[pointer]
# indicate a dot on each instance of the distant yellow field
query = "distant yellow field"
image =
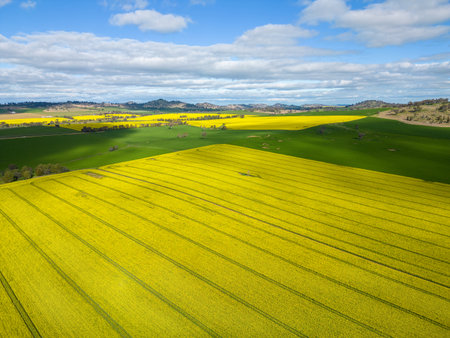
(11, 120)
(100, 117)
(250, 122)
(138, 122)
(180, 116)
(224, 241)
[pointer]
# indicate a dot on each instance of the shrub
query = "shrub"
(26, 172)
(11, 175)
(41, 170)
(50, 168)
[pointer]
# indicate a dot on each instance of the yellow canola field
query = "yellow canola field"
(100, 117)
(224, 241)
(251, 122)
(138, 122)
(48, 120)
(180, 116)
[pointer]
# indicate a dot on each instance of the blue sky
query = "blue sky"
(224, 51)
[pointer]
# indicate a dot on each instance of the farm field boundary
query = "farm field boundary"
(225, 240)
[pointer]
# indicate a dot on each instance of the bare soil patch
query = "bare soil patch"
(95, 175)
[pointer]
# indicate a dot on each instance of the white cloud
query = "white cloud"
(151, 20)
(392, 22)
(323, 10)
(70, 65)
(28, 4)
(274, 35)
(4, 2)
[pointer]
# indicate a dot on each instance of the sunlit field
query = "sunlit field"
(224, 240)
(248, 122)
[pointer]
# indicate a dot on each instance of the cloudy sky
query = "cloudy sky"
(224, 51)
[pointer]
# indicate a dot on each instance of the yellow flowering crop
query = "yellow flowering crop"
(181, 116)
(101, 117)
(137, 122)
(226, 241)
(251, 122)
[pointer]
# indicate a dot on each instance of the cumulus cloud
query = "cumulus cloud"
(151, 20)
(70, 65)
(4, 2)
(28, 4)
(392, 22)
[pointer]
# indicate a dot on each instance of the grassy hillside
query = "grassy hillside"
(388, 146)
(92, 149)
(432, 113)
(385, 145)
(224, 241)
(32, 132)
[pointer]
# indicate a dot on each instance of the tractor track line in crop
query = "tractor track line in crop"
(317, 233)
(321, 168)
(312, 175)
(120, 268)
(218, 254)
(313, 178)
(17, 304)
(297, 215)
(121, 331)
(281, 237)
(349, 287)
(296, 233)
(179, 265)
(331, 197)
(295, 204)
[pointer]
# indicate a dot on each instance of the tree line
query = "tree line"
(13, 173)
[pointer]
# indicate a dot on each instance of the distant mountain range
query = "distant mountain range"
(162, 105)
(165, 105)
(175, 105)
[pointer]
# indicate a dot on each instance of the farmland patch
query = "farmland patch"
(225, 240)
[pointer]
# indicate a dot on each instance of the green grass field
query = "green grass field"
(387, 146)
(24, 110)
(33, 132)
(92, 149)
